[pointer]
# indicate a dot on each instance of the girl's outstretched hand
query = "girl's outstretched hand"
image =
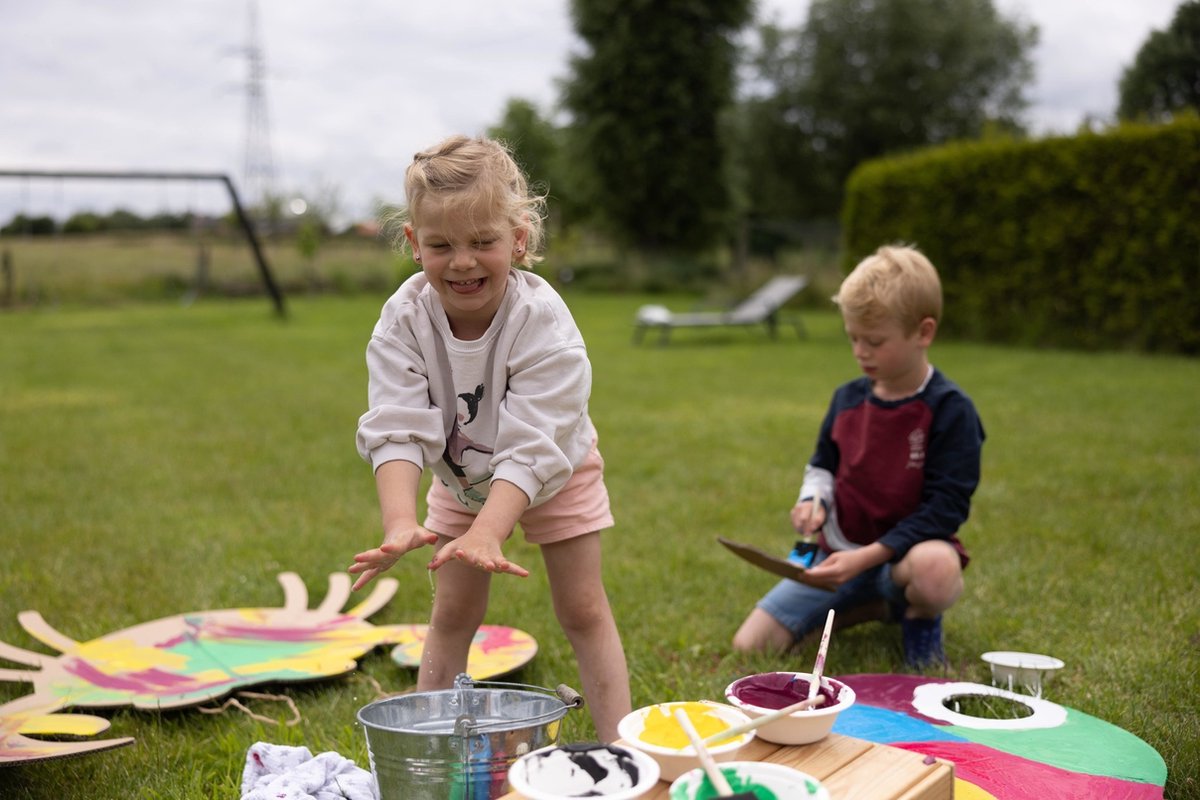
(370, 563)
(479, 551)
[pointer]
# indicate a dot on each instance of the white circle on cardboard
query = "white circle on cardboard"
(928, 699)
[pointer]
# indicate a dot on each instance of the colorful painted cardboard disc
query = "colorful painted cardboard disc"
(1055, 753)
(496, 650)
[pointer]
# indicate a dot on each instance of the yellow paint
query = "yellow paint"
(969, 791)
(115, 656)
(64, 725)
(662, 729)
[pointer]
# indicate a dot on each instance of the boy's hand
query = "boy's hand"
(808, 517)
(839, 567)
(478, 550)
(370, 563)
(842, 565)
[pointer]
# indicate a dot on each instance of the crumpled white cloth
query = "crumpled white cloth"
(282, 772)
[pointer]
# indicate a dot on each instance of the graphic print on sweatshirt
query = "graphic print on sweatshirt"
(470, 461)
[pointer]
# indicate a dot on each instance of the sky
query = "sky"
(352, 89)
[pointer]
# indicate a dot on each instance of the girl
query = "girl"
(478, 371)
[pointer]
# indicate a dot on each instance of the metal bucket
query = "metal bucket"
(457, 744)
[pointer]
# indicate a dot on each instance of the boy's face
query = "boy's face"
(893, 359)
(467, 264)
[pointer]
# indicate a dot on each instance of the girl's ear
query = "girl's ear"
(412, 240)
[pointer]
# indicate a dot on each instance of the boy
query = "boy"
(890, 483)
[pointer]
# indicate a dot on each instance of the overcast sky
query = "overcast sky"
(354, 88)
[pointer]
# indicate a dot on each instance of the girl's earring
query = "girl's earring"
(416, 256)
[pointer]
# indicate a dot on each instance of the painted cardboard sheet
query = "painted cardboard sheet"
(190, 659)
(496, 650)
(1055, 753)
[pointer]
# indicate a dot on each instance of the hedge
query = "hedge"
(1090, 241)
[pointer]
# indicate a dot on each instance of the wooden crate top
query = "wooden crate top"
(850, 768)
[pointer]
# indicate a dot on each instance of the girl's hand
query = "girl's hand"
(368, 564)
(480, 551)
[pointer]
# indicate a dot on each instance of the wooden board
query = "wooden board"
(764, 560)
(849, 768)
(496, 650)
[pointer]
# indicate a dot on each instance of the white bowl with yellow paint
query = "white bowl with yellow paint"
(655, 731)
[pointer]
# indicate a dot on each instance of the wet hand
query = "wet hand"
(479, 551)
(369, 563)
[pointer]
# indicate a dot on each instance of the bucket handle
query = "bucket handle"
(466, 726)
(568, 696)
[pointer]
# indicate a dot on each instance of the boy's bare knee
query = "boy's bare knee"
(761, 633)
(932, 576)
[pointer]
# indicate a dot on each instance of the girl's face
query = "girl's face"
(467, 263)
(895, 361)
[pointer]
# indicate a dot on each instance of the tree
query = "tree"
(862, 78)
(645, 102)
(1165, 75)
(538, 147)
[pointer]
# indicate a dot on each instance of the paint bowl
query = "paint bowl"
(584, 770)
(760, 694)
(655, 731)
(763, 778)
(1012, 670)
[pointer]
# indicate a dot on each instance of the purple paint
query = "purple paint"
(775, 690)
(148, 681)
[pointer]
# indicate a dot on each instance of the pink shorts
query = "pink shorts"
(580, 507)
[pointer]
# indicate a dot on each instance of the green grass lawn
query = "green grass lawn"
(156, 459)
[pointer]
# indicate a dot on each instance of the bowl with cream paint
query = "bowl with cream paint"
(762, 778)
(655, 731)
(761, 694)
(584, 770)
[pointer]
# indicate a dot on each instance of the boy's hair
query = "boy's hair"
(895, 283)
(477, 178)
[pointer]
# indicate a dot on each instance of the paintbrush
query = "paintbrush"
(819, 666)
(758, 722)
(715, 776)
(805, 551)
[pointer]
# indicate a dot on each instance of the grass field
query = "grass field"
(156, 459)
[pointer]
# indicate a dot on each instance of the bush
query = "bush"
(1090, 241)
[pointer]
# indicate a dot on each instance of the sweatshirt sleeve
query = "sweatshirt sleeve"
(401, 423)
(544, 430)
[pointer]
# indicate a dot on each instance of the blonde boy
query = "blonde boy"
(890, 482)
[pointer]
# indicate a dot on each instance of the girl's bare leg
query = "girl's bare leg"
(581, 604)
(459, 604)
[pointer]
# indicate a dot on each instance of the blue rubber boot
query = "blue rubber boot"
(923, 642)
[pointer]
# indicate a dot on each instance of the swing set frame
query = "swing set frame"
(260, 258)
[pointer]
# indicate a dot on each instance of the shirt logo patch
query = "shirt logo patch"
(916, 450)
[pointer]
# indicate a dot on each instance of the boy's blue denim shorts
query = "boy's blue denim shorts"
(802, 609)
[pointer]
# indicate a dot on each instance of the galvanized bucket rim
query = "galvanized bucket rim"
(565, 695)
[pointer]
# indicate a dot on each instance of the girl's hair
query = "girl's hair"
(475, 179)
(895, 283)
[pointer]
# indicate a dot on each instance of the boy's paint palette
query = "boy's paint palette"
(783, 567)
(496, 649)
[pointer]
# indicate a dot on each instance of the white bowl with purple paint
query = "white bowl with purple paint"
(583, 770)
(761, 694)
(769, 779)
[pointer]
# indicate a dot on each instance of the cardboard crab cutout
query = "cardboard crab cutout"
(192, 658)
